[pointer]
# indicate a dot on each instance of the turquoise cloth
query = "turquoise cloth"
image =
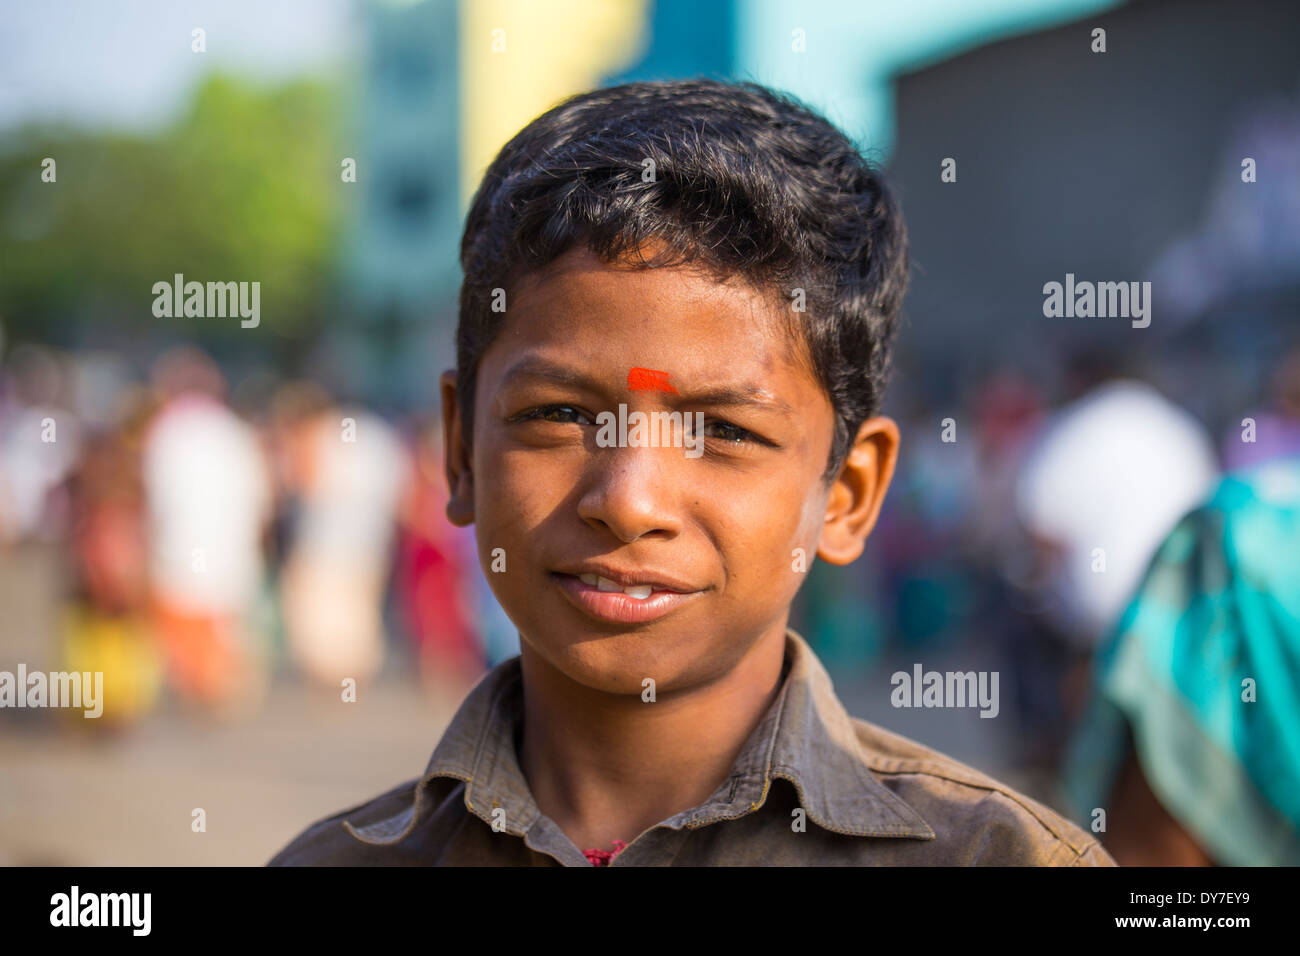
(1219, 607)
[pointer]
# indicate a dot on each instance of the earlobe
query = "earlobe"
(460, 477)
(859, 491)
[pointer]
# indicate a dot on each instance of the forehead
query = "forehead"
(680, 319)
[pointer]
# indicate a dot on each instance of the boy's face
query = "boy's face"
(724, 538)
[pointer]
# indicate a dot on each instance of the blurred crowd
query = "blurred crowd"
(1135, 577)
(210, 541)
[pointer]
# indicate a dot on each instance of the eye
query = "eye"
(560, 414)
(728, 432)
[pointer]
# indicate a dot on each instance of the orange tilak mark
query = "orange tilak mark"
(649, 380)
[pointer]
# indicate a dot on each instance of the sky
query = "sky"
(129, 63)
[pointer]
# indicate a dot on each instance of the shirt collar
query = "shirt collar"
(806, 737)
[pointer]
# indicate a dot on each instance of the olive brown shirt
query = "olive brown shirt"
(868, 797)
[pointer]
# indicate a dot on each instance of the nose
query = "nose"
(630, 493)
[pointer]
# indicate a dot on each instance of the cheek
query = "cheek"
(515, 493)
(811, 517)
(762, 528)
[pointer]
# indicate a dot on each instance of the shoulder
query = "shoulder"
(976, 818)
(327, 842)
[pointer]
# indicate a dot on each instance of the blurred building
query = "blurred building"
(1096, 164)
(400, 246)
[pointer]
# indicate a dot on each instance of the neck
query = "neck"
(606, 767)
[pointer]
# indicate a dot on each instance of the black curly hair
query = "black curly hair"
(746, 182)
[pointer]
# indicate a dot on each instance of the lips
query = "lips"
(625, 597)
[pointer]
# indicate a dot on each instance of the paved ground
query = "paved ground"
(129, 801)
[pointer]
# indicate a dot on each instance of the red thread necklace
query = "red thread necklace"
(600, 857)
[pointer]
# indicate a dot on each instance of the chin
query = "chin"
(616, 663)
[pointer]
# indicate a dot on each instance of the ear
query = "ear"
(460, 477)
(857, 494)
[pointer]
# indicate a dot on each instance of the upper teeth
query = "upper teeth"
(638, 591)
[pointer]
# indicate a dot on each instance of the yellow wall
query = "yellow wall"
(552, 49)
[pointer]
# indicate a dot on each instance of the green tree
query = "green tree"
(243, 187)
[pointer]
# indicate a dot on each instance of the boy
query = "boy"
(674, 338)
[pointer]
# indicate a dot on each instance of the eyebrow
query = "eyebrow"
(752, 396)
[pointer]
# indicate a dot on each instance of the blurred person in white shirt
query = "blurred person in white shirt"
(1107, 479)
(208, 495)
(349, 472)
